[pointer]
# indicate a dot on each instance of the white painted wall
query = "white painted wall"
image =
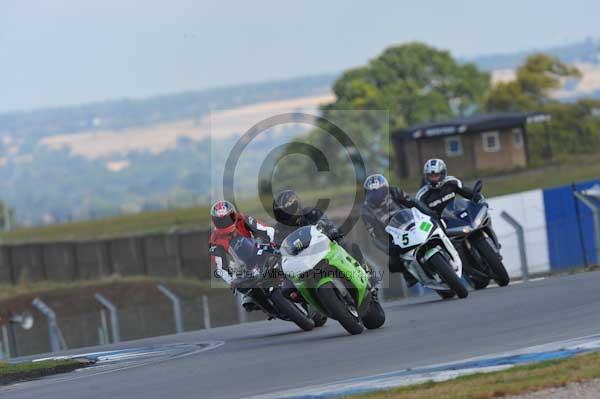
(528, 209)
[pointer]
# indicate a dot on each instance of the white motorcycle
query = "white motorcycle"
(429, 254)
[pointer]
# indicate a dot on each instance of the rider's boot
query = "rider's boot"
(248, 304)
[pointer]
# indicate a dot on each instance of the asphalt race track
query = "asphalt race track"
(266, 357)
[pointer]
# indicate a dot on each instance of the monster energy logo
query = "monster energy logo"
(298, 244)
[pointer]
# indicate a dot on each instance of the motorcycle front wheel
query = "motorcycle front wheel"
(448, 276)
(479, 283)
(346, 314)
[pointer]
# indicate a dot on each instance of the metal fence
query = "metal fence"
(218, 308)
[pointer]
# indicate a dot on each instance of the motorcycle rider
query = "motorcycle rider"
(229, 224)
(290, 215)
(440, 189)
(381, 203)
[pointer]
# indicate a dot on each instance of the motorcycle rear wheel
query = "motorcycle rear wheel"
(492, 258)
(319, 320)
(286, 307)
(446, 294)
(375, 316)
(479, 283)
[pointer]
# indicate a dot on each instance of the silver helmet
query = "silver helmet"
(435, 172)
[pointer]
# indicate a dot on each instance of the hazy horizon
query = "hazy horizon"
(61, 52)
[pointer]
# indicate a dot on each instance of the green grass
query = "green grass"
(10, 373)
(500, 183)
(142, 223)
(181, 284)
(514, 381)
(584, 168)
(151, 222)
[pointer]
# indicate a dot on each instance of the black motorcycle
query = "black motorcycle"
(469, 226)
(255, 275)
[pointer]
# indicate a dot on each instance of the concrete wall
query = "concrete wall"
(166, 255)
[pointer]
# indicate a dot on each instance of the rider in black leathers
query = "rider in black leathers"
(290, 215)
(439, 189)
(381, 203)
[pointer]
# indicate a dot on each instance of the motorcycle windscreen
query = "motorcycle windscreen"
(402, 219)
(243, 250)
(297, 242)
(303, 250)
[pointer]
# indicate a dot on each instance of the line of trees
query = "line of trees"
(415, 83)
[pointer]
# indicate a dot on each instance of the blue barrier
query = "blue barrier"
(565, 246)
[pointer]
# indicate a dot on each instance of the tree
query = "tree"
(535, 80)
(415, 83)
(574, 127)
(407, 84)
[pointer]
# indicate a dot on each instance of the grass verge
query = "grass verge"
(11, 373)
(154, 221)
(583, 168)
(515, 381)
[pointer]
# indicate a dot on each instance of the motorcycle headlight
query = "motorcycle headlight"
(479, 218)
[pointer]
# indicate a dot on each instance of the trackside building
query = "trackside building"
(484, 142)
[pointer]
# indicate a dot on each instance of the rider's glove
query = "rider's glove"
(397, 195)
(329, 230)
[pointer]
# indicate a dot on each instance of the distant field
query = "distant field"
(158, 138)
(152, 222)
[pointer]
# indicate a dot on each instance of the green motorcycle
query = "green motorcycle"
(331, 280)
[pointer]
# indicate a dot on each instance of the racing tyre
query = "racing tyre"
(319, 319)
(291, 311)
(479, 283)
(494, 261)
(345, 314)
(375, 316)
(446, 294)
(441, 265)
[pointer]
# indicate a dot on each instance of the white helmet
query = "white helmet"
(435, 172)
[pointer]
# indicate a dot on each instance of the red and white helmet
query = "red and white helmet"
(224, 216)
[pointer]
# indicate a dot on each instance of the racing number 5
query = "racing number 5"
(405, 239)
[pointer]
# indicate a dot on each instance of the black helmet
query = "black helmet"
(287, 208)
(376, 189)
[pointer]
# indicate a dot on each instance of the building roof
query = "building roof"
(472, 124)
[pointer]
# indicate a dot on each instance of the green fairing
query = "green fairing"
(340, 259)
(307, 294)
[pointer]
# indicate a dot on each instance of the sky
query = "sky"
(67, 52)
